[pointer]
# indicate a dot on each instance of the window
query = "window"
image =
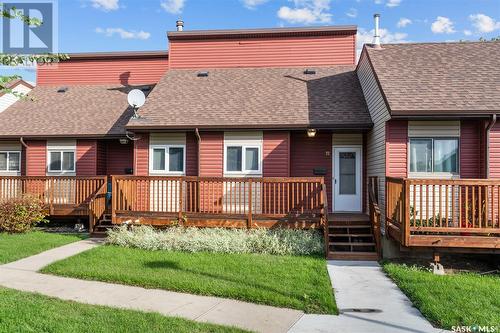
(10, 161)
(61, 161)
(429, 155)
(242, 159)
(168, 159)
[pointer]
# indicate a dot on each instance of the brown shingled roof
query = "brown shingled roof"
(83, 110)
(256, 98)
(439, 78)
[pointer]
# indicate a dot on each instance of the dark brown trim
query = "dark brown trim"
(76, 136)
(115, 55)
(255, 33)
(340, 127)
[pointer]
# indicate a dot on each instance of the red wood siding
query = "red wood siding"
(86, 157)
(263, 52)
(470, 153)
(101, 158)
(211, 154)
(191, 154)
(495, 151)
(109, 71)
(36, 158)
(141, 156)
(309, 153)
(276, 154)
(396, 135)
(119, 157)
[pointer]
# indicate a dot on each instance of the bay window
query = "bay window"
(434, 155)
(242, 159)
(10, 161)
(168, 159)
(61, 161)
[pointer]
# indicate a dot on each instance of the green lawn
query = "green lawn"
(17, 246)
(450, 300)
(27, 312)
(285, 281)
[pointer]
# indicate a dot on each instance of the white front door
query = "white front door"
(347, 179)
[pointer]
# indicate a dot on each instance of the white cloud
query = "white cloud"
(393, 3)
(124, 34)
(378, 2)
(442, 25)
(105, 5)
(366, 37)
(173, 6)
(252, 4)
(484, 23)
(403, 22)
(467, 32)
(353, 12)
(306, 12)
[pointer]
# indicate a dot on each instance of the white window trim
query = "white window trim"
(167, 160)
(61, 151)
(243, 171)
(8, 152)
(433, 175)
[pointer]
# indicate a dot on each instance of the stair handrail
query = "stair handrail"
(374, 211)
(97, 208)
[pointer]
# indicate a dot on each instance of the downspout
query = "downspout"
(198, 137)
(23, 143)
(487, 133)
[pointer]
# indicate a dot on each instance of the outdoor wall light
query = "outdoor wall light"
(123, 141)
(311, 132)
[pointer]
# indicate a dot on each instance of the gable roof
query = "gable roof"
(81, 111)
(14, 83)
(256, 98)
(438, 78)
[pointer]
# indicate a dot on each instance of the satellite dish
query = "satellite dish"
(136, 99)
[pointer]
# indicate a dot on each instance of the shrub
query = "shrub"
(269, 241)
(21, 214)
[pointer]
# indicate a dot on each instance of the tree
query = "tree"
(21, 59)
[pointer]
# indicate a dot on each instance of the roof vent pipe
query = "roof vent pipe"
(180, 25)
(376, 37)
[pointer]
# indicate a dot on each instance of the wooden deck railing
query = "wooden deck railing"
(438, 206)
(53, 190)
(374, 212)
(97, 205)
(247, 198)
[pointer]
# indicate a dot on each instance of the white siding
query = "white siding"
(9, 99)
(375, 140)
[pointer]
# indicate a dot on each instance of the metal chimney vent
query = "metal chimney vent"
(62, 89)
(310, 71)
(202, 74)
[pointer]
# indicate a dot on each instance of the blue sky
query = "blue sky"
(123, 25)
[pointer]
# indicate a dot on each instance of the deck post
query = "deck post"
(113, 200)
(405, 224)
(181, 182)
(249, 219)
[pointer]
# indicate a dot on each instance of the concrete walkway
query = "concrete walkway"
(368, 301)
(22, 275)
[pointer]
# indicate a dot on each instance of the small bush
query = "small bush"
(269, 241)
(21, 214)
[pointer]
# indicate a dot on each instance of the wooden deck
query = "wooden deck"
(441, 214)
(292, 202)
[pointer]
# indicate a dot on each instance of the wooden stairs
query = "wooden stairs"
(102, 226)
(350, 237)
